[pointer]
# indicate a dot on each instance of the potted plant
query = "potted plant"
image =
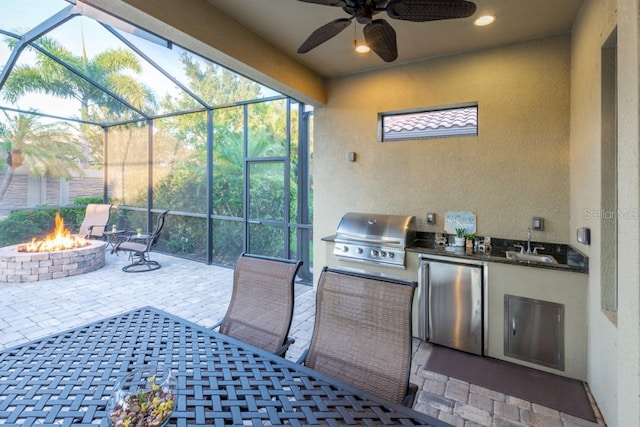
(469, 237)
(458, 240)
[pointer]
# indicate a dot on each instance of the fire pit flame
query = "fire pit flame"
(59, 240)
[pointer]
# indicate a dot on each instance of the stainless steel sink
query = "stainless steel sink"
(530, 257)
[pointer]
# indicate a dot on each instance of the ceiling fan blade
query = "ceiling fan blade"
(381, 38)
(429, 10)
(339, 3)
(324, 33)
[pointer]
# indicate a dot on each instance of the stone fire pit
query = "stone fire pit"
(34, 266)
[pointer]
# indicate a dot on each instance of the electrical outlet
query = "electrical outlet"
(431, 218)
(584, 235)
(537, 223)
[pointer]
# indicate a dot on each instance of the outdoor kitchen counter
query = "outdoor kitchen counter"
(571, 261)
(568, 258)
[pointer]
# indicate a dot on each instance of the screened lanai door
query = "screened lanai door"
(277, 186)
(266, 231)
(261, 153)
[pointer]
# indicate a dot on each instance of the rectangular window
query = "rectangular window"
(434, 123)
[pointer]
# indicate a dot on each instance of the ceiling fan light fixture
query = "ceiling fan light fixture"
(379, 36)
(484, 20)
(361, 47)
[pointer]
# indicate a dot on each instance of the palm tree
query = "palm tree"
(112, 69)
(46, 149)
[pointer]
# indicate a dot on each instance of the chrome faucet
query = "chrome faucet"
(521, 247)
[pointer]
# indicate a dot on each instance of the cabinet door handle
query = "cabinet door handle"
(513, 326)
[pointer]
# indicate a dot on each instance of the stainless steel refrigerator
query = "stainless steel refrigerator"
(454, 303)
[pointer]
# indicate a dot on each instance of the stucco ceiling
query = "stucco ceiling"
(287, 23)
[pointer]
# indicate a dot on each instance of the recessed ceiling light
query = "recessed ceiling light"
(484, 20)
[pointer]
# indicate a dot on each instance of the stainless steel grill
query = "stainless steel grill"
(374, 238)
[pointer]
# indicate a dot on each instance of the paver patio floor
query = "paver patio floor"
(201, 293)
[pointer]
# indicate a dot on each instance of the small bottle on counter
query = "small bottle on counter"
(487, 245)
(483, 246)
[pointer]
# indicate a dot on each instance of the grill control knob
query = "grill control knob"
(391, 254)
(360, 250)
(375, 252)
(345, 248)
(383, 254)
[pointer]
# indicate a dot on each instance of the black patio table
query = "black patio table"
(66, 379)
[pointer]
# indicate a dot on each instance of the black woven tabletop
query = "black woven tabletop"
(66, 379)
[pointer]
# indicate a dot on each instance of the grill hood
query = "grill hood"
(376, 228)
(374, 238)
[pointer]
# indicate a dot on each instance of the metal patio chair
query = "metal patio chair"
(140, 247)
(362, 333)
(262, 300)
(96, 218)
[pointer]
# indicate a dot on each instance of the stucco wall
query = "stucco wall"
(628, 355)
(613, 370)
(516, 168)
(592, 28)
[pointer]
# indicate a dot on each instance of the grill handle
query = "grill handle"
(353, 239)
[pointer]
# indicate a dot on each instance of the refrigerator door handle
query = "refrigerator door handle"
(427, 299)
(421, 309)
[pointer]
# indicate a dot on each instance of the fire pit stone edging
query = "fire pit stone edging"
(35, 266)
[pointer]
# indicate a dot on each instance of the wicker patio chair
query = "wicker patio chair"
(362, 333)
(261, 306)
(140, 247)
(96, 218)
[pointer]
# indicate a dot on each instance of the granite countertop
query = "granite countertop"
(568, 258)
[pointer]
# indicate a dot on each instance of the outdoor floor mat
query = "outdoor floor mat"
(553, 391)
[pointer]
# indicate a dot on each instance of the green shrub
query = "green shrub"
(21, 226)
(84, 201)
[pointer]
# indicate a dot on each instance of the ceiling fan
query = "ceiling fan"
(378, 33)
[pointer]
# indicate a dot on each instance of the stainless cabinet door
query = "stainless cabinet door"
(534, 331)
(455, 306)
